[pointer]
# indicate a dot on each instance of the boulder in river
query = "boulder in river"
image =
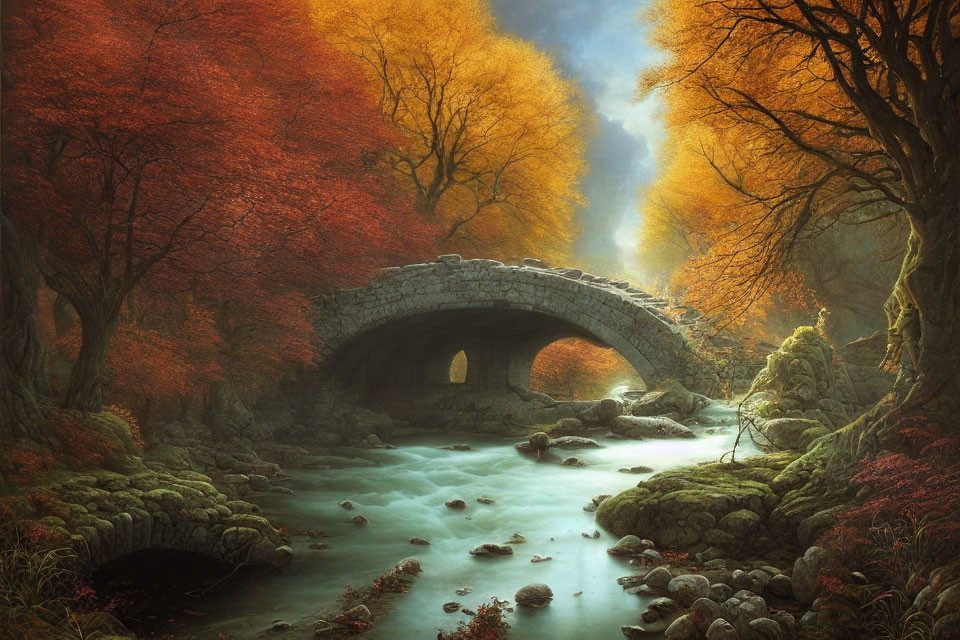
(574, 442)
(359, 520)
(628, 545)
(491, 549)
(485, 500)
(639, 427)
(419, 541)
(673, 400)
(539, 441)
(516, 539)
(533, 595)
(346, 504)
(636, 469)
(573, 462)
(450, 607)
(456, 503)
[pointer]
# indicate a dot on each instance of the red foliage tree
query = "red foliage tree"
(197, 145)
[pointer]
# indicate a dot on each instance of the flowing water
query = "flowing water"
(402, 493)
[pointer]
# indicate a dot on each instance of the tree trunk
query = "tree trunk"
(22, 375)
(930, 280)
(85, 392)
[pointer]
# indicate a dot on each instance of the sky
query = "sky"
(602, 46)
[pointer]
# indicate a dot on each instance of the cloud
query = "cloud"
(601, 46)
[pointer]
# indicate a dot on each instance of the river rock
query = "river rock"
(683, 628)
(359, 612)
(573, 462)
(767, 629)
(533, 595)
(456, 503)
(573, 442)
(516, 539)
(491, 549)
(704, 611)
(537, 558)
(320, 546)
(419, 541)
(649, 427)
(720, 592)
(462, 591)
(687, 588)
(637, 469)
(458, 447)
(258, 482)
(740, 580)
(539, 441)
(793, 433)
(760, 580)
(658, 578)
(485, 500)
(720, 629)
(450, 607)
(359, 521)
(659, 608)
(672, 400)
(806, 571)
(568, 427)
(628, 545)
(608, 409)
(346, 504)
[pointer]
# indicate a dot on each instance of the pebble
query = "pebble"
(359, 520)
(456, 503)
(346, 504)
(419, 541)
(450, 607)
(537, 558)
(485, 500)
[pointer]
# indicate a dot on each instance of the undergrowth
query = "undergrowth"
(892, 554)
(42, 595)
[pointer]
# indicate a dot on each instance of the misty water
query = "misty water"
(402, 493)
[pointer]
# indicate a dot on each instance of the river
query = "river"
(402, 493)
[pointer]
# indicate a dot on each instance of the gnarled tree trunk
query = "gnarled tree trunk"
(22, 375)
(85, 391)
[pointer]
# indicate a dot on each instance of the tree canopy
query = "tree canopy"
(493, 134)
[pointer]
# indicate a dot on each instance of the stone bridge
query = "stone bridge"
(403, 329)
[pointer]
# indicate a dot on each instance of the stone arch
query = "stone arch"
(397, 329)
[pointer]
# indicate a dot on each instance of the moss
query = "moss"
(166, 498)
(679, 507)
(171, 457)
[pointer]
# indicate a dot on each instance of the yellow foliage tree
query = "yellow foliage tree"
(494, 134)
(824, 111)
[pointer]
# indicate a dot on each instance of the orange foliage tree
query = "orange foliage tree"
(825, 110)
(575, 369)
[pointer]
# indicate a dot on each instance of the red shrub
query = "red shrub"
(487, 624)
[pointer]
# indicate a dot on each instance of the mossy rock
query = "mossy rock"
(678, 508)
(194, 476)
(166, 498)
(171, 457)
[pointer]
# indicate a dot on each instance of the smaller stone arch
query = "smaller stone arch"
(112, 515)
